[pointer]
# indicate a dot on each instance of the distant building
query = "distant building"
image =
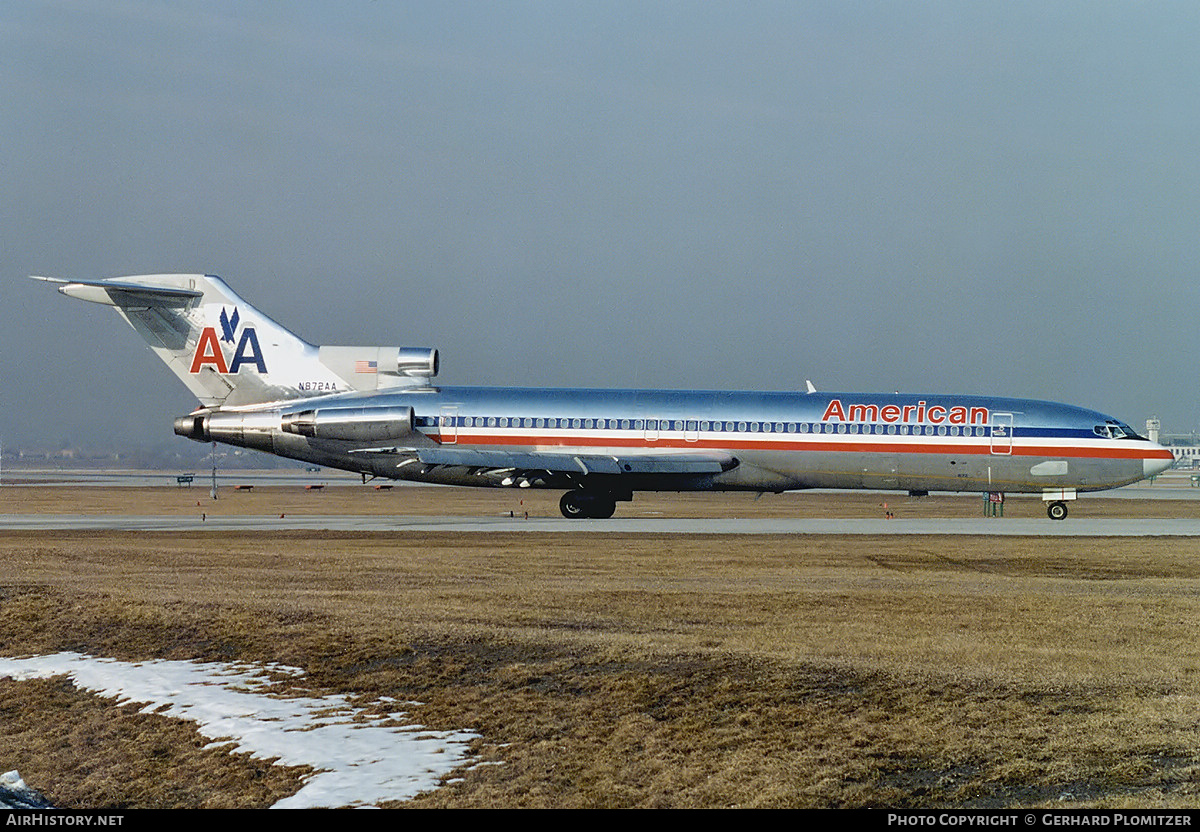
(1186, 456)
(1185, 447)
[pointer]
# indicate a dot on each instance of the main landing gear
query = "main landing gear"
(598, 505)
(1057, 510)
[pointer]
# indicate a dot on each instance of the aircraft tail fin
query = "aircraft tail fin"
(229, 354)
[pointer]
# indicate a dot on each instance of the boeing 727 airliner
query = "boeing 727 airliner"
(376, 411)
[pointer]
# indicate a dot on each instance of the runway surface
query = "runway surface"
(99, 501)
(1071, 527)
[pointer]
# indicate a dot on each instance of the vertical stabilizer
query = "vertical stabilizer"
(225, 351)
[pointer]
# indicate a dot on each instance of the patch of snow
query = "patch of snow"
(360, 760)
(14, 794)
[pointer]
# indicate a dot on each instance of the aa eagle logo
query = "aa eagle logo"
(210, 353)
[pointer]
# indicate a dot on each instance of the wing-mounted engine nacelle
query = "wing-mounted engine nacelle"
(353, 424)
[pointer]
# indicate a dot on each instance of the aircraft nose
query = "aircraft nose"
(1159, 462)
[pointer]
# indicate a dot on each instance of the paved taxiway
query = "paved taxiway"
(1071, 527)
(1175, 486)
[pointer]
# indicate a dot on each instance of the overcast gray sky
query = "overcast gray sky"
(974, 197)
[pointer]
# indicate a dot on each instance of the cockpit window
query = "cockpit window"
(1115, 430)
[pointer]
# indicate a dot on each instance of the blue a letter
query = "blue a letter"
(249, 338)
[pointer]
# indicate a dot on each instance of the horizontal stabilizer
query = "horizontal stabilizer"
(124, 293)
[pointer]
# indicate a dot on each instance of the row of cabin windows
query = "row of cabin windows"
(693, 426)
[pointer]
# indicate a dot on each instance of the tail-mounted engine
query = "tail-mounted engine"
(254, 428)
(354, 424)
(374, 368)
(416, 362)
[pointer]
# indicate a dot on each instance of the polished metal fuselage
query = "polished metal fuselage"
(780, 441)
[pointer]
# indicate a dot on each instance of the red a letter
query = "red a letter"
(834, 411)
(208, 351)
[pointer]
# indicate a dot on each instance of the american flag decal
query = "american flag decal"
(366, 366)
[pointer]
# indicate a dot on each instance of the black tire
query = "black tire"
(573, 505)
(602, 507)
(1057, 510)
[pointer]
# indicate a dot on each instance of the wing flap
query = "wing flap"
(571, 463)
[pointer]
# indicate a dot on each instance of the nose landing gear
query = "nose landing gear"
(1057, 510)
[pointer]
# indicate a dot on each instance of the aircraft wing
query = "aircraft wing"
(570, 463)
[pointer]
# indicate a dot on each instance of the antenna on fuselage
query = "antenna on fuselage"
(809, 387)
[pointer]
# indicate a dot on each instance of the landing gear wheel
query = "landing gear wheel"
(584, 504)
(1057, 510)
(573, 504)
(603, 507)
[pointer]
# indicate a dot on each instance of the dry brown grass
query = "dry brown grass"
(98, 754)
(639, 670)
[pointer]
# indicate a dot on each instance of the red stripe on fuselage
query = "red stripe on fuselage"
(463, 438)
